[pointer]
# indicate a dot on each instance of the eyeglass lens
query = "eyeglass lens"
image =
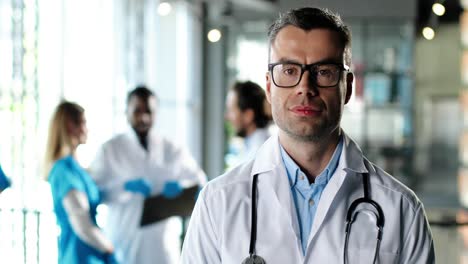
(289, 75)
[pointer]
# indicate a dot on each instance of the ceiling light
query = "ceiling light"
(438, 9)
(164, 9)
(428, 33)
(214, 35)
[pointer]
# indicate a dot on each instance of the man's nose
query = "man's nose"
(307, 85)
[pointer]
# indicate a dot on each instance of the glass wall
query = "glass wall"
(380, 116)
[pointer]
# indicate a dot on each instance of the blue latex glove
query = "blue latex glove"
(140, 185)
(172, 189)
(4, 181)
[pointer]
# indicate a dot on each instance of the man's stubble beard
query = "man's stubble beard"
(318, 133)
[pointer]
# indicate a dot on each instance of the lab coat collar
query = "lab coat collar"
(153, 137)
(269, 156)
(268, 162)
(155, 145)
(352, 156)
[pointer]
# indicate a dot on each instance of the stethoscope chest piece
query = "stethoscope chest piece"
(254, 259)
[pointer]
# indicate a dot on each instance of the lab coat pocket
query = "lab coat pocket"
(362, 241)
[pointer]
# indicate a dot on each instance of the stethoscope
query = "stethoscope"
(253, 258)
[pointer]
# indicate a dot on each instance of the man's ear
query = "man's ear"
(248, 116)
(349, 86)
(268, 87)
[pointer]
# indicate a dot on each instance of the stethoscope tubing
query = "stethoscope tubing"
(350, 216)
(380, 221)
(253, 231)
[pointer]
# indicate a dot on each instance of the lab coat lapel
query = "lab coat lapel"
(351, 162)
(326, 200)
(146, 163)
(156, 148)
(274, 180)
(134, 146)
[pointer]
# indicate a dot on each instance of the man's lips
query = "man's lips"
(306, 110)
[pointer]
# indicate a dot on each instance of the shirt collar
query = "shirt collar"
(292, 169)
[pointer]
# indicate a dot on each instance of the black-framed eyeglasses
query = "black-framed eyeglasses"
(289, 74)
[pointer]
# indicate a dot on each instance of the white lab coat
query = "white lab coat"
(219, 230)
(123, 158)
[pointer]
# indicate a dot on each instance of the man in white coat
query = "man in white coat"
(135, 165)
(292, 203)
(248, 112)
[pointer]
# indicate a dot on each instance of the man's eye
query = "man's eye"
(324, 72)
(290, 71)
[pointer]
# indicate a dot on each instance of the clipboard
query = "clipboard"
(157, 208)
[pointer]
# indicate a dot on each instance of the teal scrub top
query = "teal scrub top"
(66, 175)
(4, 181)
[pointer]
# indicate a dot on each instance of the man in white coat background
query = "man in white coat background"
(248, 113)
(309, 196)
(133, 166)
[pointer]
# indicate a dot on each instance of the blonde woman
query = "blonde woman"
(75, 195)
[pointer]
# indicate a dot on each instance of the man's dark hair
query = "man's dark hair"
(308, 18)
(251, 96)
(142, 92)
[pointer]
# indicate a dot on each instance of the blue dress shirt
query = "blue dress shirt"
(306, 195)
